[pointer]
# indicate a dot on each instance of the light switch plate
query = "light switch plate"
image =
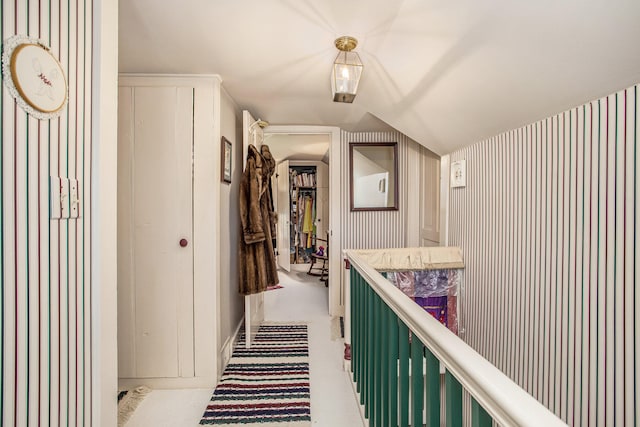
(64, 198)
(74, 200)
(54, 198)
(459, 174)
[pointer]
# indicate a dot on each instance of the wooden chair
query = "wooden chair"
(320, 263)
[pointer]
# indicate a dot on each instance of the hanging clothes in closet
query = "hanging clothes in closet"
(306, 203)
(307, 225)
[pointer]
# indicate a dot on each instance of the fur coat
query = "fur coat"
(257, 261)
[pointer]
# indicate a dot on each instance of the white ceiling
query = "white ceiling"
(297, 146)
(446, 73)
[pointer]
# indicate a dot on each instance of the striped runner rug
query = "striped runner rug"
(266, 385)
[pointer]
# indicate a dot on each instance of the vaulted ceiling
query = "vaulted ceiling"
(445, 73)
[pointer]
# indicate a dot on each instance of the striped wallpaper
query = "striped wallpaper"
(548, 227)
(376, 229)
(45, 292)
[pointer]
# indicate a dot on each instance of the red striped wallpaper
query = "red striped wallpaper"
(548, 227)
(45, 292)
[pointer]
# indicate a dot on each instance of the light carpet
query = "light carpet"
(266, 385)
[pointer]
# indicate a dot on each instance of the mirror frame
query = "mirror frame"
(352, 145)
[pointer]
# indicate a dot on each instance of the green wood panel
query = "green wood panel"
(377, 372)
(417, 381)
(355, 319)
(362, 336)
(453, 394)
(432, 390)
(479, 417)
(368, 377)
(392, 325)
(403, 381)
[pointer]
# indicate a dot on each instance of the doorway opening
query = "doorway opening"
(306, 199)
(301, 196)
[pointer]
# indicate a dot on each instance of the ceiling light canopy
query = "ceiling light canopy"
(347, 70)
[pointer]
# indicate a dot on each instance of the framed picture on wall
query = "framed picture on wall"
(226, 160)
(373, 170)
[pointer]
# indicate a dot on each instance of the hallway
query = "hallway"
(303, 298)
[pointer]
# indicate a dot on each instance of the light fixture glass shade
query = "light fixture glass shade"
(347, 69)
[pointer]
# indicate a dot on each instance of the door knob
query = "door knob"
(184, 243)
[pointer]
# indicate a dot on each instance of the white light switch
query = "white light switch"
(65, 204)
(74, 199)
(54, 197)
(64, 198)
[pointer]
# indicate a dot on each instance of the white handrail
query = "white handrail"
(506, 402)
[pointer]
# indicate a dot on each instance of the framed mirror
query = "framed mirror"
(373, 173)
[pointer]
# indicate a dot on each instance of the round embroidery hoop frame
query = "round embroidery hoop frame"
(11, 47)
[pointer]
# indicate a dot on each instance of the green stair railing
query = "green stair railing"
(397, 350)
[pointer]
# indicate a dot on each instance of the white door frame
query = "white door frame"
(104, 203)
(283, 210)
(445, 170)
(253, 304)
(335, 249)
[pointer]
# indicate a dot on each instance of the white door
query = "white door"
(283, 207)
(322, 201)
(429, 200)
(253, 304)
(155, 251)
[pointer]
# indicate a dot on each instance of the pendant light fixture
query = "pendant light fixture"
(347, 69)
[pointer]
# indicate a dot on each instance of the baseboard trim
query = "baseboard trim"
(167, 383)
(227, 348)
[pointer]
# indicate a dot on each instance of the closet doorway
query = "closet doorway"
(302, 205)
(306, 198)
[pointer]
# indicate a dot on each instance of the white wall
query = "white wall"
(231, 303)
